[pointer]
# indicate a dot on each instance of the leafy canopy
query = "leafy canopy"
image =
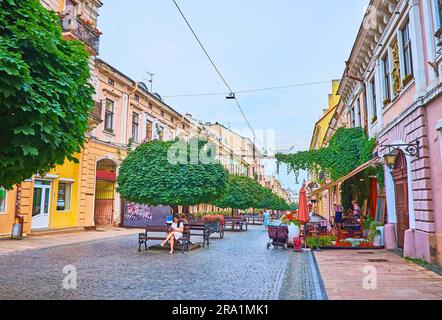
(244, 192)
(149, 175)
(45, 95)
(347, 149)
(241, 193)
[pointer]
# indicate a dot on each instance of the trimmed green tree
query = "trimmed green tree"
(241, 193)
(173, 173)
(45, 95)
(269, 200)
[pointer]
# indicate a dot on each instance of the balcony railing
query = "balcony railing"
(81, 31)
(95, 117)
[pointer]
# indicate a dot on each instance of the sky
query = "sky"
(255, 44)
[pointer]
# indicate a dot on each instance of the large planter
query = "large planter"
(293, 232)
(378, 241)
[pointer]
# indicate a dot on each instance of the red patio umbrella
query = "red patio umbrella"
(303, 214)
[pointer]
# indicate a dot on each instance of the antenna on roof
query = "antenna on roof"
(150, 74)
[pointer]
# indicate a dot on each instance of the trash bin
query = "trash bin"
(17, 228)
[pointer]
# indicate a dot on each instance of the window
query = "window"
(135, 121)
(111, 81)
(149, 130)
(109, 116)
(439, 13)
(3, 194)
(373, 100)
(406, 50)
(64, 196)
(386, 78)
(352, 117)
(160, 133)
(358, 105)
(137, 97)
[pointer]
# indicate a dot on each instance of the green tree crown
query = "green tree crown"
(45, 95)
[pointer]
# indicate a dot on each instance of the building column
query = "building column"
(430, 39)
(124, 119)
(417, 48)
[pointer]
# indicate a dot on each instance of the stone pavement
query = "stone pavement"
(343, 276)
(47, 241)
(239, 267)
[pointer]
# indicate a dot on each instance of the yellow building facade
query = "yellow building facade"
(321, 205)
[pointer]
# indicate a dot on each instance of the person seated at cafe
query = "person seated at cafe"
(175, 233)
(339, 212)
(357, 212)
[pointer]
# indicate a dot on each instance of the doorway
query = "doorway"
(105, 192)
(41, 204)
(400, 176)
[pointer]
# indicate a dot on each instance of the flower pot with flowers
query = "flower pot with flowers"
(291, 220)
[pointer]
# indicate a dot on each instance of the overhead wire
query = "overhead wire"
(231, 92)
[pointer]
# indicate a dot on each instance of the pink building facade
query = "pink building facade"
(396, 62)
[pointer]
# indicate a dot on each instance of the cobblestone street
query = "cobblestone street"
(238, 267)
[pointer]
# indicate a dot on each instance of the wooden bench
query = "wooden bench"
(199, 229)
(236, 222)
(143, 238)
(254, 219)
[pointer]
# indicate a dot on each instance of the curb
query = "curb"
(321, 293)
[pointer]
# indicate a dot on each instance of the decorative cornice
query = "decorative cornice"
(421, 102)
(377, 17)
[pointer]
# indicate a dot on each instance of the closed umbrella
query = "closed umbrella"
(303, 214)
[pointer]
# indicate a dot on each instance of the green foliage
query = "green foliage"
(326, 241)
(347, 149)
(313, 243)
(245, 193)
(148, 176)
(45, 95)
(358, 187)
(269, 200)
(241, 193)
(294, 206)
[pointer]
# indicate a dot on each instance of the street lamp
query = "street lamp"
(390, 158)
(411, 149)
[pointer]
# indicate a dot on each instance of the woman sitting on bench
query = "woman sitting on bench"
(175, 233)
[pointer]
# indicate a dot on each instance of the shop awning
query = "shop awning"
(348, 176)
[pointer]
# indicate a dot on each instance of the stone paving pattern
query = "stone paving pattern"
(38, 242)
(238, 267)
(397, 279)
(298, 286)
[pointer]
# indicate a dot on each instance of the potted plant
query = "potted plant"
(387, 101)
(367, 221)
(407, 80)
(327, 241)
(356, 243)
(293, 224)
(374, 235)
(314, 243)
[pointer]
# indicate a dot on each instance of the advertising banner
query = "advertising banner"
(139, 215)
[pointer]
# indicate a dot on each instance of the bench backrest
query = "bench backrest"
(186, 233)
(235, 219)
(153, 228)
